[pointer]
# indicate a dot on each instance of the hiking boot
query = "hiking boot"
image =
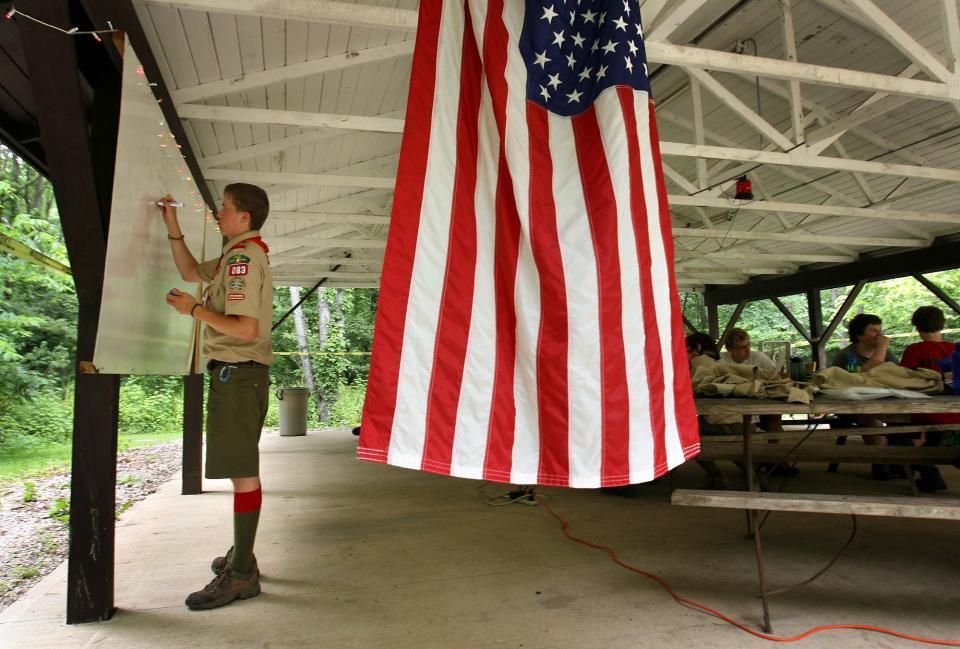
(225, 587)
(218, 564)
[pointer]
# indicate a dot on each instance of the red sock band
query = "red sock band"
(247, 501)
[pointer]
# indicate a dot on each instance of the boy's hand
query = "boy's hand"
(182, 302)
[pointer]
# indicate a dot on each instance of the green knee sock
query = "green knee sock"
(246, 516)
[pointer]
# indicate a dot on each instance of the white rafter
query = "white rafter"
(668, 21)
(767, 258)
(322, 11)
(730, 235)
(288, 72)
(732, 102)
(330, 217)
(951, 34)
(790, 54)
(703, 180)
(291, 118)
(886, 27)
(247, 152)
(287, 178)
(325, 244)
(798, 158)
(805, 208)
(329, 261)
(820, 139)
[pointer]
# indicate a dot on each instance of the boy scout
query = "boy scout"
(237, 311)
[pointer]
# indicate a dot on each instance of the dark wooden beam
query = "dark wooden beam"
(123, 16)
(731, 323)
(791, 318)
(192, 475)
(713, 321)
(689, 325)
(936, 290)
(842, 311)
(76, 171)
(818, 349)
(944, 254)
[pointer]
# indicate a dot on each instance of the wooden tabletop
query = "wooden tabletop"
(826, 405)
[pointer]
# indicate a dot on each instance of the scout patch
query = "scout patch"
(236, 296)
(236, 284)
(239, 259)
(235, 270)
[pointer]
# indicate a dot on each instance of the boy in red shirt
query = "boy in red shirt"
(929, 322)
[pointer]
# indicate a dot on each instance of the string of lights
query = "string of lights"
(73, 31)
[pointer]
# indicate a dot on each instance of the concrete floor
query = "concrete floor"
(362, 555)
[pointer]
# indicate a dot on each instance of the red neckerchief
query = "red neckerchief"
(242, 244)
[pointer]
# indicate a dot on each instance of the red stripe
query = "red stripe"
(453, 326)
(652, 350)
(552, 404)
(602, 214)
(685, 408)
(247, 501)
(500, 437)
(380, 404)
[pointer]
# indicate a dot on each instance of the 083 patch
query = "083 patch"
(236, 284)
(236, 296)
(237, 270)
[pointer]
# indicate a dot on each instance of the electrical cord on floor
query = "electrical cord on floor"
(565, 527)
(523, 494)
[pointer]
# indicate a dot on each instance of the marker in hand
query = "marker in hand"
(169, 204)
(174, 292)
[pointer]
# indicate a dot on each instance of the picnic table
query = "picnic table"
(753, 446)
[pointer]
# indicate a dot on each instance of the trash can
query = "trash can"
(293, 411)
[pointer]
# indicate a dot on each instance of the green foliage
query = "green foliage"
(45, 418)
(894, 301)
(29, 492)
(151, 404)
(24, 572)
(60, 510)
(346, 412)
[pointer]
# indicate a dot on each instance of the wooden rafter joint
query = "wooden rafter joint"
(87, 367)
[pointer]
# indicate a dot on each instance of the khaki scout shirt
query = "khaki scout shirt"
(240, 283)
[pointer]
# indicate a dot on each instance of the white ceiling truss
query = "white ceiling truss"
(845, 114)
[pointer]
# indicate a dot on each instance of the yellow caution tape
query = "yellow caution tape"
(23, 251)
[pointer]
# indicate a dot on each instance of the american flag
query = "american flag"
(528, 329)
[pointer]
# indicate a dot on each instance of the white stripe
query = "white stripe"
(476, 393)
(583, 309)
(660, 276)
(526, 444)
(426, 285)
(614, 135)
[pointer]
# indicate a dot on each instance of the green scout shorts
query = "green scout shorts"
(236, 407)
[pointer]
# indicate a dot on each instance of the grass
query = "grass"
(46, 459)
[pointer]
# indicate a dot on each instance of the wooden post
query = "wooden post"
(818, 349)
(713, 321)
(936, 290)
(731, 323)
(82, 177)
(191, 481)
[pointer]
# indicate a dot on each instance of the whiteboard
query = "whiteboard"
(138, 332)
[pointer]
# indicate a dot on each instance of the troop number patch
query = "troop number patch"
(236, 270)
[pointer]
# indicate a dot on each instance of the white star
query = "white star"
(595, 46)
(542, 60)
(646, 72)
(544, 93)
(626, 7)
(629, 63)
(610, 47)
(585, 75)
(574, 97)
(589, 17)
(554, 80)
(602, 72)
(578, 39)
(558, 38)
(633, 48)
(573, 16)
(571, 62)
(639, 29)
(603, 17)
(548, 14)
(621, 24)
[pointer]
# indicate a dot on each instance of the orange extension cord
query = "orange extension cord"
(565, 526)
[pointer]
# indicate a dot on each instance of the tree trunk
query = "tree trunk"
(323, 309)
(305, 363)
